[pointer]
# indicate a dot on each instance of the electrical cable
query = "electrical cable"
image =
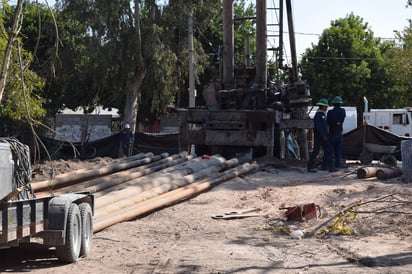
(22, 168)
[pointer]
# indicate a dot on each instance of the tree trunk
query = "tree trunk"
(12, 38)
(133, 88)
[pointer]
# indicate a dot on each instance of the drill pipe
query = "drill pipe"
(168, 198)
(148, 175)
(366, 172)
(63, 179)
(388, 173)
(135, 196)
(81, 171)
(158, 180)
(114, 179)
(152, 174)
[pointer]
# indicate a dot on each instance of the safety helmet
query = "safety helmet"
(127, 126)
(323, 102)
(337, 100)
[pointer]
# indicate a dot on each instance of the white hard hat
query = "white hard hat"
(127, 126)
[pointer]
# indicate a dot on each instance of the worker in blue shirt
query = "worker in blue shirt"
(335, 119)
(126, 140)
(320, 137)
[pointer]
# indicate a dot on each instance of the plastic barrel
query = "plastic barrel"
(406, 153)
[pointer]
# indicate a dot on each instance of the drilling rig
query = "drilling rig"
(243, 112)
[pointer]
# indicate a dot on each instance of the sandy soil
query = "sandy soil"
(184, 238)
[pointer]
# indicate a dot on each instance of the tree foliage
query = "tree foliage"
(399, 68)
(96, 54)
(348, 61)
(22, 95)
(90, 56)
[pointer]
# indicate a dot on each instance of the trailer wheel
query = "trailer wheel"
(70, 251)
(86, 216)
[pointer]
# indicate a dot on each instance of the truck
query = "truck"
(397, 121)
(351, 119)
(64, 221)
(245, 108)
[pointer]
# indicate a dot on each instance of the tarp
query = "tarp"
(353, 141)
(156, 143)
(109, 147)
(106, 147)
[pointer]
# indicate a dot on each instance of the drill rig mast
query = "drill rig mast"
(242, 111)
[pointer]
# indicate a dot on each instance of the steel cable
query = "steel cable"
(22, 168)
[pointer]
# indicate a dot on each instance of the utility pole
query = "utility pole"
(228, 44)
(192, 91)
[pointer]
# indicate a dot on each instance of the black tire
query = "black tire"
(70, 251)
(86, 216)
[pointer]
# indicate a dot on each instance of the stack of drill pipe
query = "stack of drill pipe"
(76, 176)
(388, 173)
(157, 174)
(367, 172)
(170, 197)
(133, 188)
(60, 177)
(102, 183)
(149, 178)
(87, 173)
(136, 195)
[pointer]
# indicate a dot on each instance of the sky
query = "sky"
(311, 17)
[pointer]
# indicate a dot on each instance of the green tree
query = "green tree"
(113, 54)
(22, 99)
(399, 68)
(117, 50)
(92, 53)
(348, 61)
(40, 37)
(102, 58)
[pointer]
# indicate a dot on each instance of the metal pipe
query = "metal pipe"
(388, 173)
(149, 183)
(292, 42)
(65, 179)
(365, 102)
(135, 197)
(37, 184)
(112, 180)
(366, 172)
(168, 198)
(261, 44)
(102, 188)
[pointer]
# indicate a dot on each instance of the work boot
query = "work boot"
(333, 169)
(311, 169)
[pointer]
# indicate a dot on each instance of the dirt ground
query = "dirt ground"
(184, 238)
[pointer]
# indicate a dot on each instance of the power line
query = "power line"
(339, 58)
